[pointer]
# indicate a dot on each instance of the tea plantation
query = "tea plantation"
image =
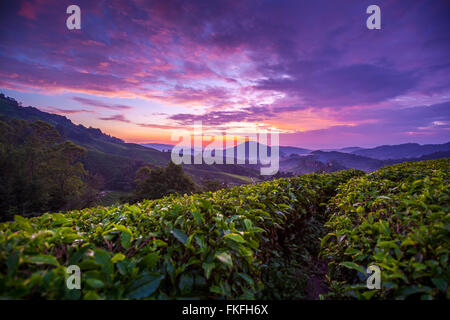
(396, 218)
(257, 241)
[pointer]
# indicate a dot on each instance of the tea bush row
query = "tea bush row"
(231, 243)
(398, 219)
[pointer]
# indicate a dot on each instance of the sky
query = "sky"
(311, 70)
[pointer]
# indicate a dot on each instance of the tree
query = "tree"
(158, 182)
(66, 175)
(39, 171)
(176, 180)
(213, 185)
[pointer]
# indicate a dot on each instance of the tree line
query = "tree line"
(40, 171)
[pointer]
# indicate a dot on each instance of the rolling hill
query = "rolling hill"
(115, 160)
(402, 151)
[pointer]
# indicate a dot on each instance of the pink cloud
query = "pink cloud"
(28, 10)
(116, 117)
(64, 111)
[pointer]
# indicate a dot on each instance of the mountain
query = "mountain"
(402, 151)
(322, 161)
(90, 138)
(300, 161)
(307, 164)
(349, 149)
(286, 151)
(431, 156)
(349, 160)
(159, 146)
(115, 160)
(434, 156)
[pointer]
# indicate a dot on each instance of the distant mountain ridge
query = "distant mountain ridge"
(384, 152)
(349, 160)
(117, 161)
(159, 146)
(113, 159)
(402, 151)
(284, 150)
(110, 157)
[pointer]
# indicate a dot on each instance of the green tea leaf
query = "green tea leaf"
(117, 257)
(352, 265)
(235, 237)
(180, 236)
(95, 283)
(208, 267)
(225, 258)
(144, 286)
(43, 259)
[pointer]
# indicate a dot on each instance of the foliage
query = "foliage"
(398, 219)
(108, 198)
(158, 182)
(39, 170)
(245, 242)
(224, 244)
(213, 185)
(115, 161)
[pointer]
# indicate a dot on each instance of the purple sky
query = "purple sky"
(140, 69)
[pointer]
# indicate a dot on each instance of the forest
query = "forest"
(42, 172)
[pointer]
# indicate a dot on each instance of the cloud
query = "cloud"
(158, 126)
(249, 114)
(28, 9)
(211, 96)
(116, 117)
(343, 86)
(64, 111)
(423, 124)
(246, 61)
(215, 118)
(100, 104)
(122, 118)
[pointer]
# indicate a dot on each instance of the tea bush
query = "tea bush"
(396, 218)
(244, 242)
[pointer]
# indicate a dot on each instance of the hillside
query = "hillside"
(117, 162)
(247, 242)
(285, 151)
(114, 160)
(159, 146)
(307, 164)
(349, 160)
(321, 161)
(90, 138)
(402, 151)
(330, 161)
